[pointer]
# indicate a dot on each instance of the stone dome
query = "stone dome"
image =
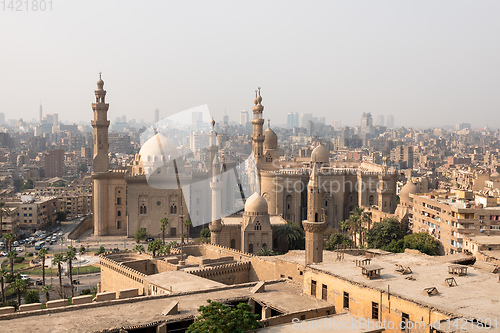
(320, 155)
(156, 148)
(270, 139)
(409, 188)
(256, 204)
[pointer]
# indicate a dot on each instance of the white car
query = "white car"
(3, 254)
(19, 249)
(25, 277)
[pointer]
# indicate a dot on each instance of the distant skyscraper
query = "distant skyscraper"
(292, 120)
(157, 115)
(2, 118)
(380, 120)
(124, 119)
(462, 126)
(337, 124)
(52, 119)
(196, 120)
(390, 121)
(41, 113)
(244, 117)
(366, 123)
(225, 119)
(304, 118)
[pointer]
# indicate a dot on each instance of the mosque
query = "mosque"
(313, 192)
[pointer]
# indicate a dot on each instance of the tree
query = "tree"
(139, 248)
(19, 286)
(219, 318)
(101, 250)
(384, 232)
(3, 275)
(421, 241)
(43, 254)
(9, 239)
(154, 246)
(46, 289)
(140, 235)
(188, 225)
(81, 250)
(70, 256)
(205, 234)
(336, 239)
(354, 224)
(163, 227)
(12, 255)
(3, 212)
(28, 185)
(265, 251)
(61, 216)
(58, 260)
(290, 233)
(32, 296)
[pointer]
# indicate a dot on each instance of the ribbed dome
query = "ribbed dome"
(409, 188)
(270, 139)
(256, 204)
(320, 155)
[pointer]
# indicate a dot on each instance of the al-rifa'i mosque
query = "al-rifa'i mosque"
(313, 192)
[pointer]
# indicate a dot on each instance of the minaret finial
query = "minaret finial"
(213, 122)
(100, 73)
(269, 123)
(259, 90)
(256, 93)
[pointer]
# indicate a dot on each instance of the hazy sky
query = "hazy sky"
(429, 63)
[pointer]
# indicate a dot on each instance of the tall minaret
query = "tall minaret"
(212, 144)
(313, 227)
(41, 112)
(257, 122)
(100, 125)
(216, 187)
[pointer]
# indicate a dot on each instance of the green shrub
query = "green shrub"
(85, 292)
(32, 296)
(101, 250)
(19, 260)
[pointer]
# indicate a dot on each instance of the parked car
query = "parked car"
(19, 249)
(76, 281)
(25, 277)
(3, 254)
(39, 282)
(16, 243)
(2, 245)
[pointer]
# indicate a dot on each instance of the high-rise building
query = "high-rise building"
(380, 120)
(225, 119)
(337, 124)
(198, 141)
(52, 119)
(462, 126)
(304, 118)
(196, 120)
(2, 118)
(390, 121)
(41, 113)
(292, 120)
(157, 115)
(244, 117)
(54, 163)
(366, 123)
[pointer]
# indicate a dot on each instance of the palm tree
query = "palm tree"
(8, 238)
(70, 256)
(139, 248)
(3, 212)
(154, 246)
(3, 275)
(58, 259)
(355, 224)
(45, 289)
(265, 251)
(163, 227)
(12, 255)
(19, 285)
(188, 224)
(289, 233)
(43, 254)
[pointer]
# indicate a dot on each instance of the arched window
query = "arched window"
(142, 209)
(250, 248)
(233, 243)
(258, 226)
(173, 209)
(370, 200)
(119, 213)
(264, 245)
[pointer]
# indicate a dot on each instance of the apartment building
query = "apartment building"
(35, 212)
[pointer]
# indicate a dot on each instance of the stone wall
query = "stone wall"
(86, 224)
(115, 276)
(234, 273)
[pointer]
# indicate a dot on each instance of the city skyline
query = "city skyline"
(429, 65)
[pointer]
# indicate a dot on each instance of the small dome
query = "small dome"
(495, 175)
(256, 204)
(270, 139)
(320, 155)
(409, 188)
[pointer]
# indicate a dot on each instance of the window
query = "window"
(118, 224)
(143, 209)
(374, 311)
(346, 300)
(233, 243)
(370, 200)
(405, 318)
(173, 232)
(324, 292)
(250, 248)
(119, 213)
(313, 288)
(118, 201)
(173, 209)
(257, 226)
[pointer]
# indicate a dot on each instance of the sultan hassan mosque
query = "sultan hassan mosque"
(312, 192)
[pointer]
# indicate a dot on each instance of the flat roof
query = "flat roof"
(179, 281)
(285, 296)
(477, 294)
(237, 220)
